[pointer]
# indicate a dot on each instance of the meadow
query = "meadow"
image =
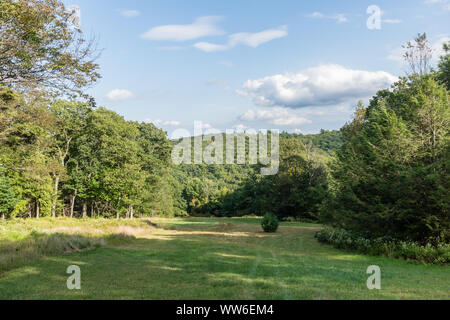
(196, 258)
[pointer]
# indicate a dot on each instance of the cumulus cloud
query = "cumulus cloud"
(120, 95)
(318, 86)
(249, 39)
(201, 27)
(339, 17)
(277, 116)
(130, 13)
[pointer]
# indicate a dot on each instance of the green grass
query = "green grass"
(207, 259)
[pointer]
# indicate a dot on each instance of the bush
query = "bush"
(411, 251)
(270, 223)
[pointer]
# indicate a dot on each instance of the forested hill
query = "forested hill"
(235, 190)
(327, 141)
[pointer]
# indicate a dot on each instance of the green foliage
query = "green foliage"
(8, 198)
(71, 159)
(444, 67)
(270, 223)
(391, 177)
(328, 141)
(297, 190)
(40, 48)
(411, 251)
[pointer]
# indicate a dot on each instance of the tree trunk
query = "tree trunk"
(118, 212)
(131, 212)
(55, 197)
(3, 216)
(84, 210)
(72, 203)
(38, 209)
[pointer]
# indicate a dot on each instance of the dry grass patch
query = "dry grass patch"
(22, 242)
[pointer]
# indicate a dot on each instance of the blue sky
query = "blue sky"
(298, 66)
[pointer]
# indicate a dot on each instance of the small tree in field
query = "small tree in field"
(270, 223)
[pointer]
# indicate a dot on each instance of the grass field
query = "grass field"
(196, 259)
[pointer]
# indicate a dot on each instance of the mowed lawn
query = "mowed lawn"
(218, 259)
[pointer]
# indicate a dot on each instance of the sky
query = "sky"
(297, 66)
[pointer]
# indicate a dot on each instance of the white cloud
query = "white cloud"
(319, 86)
(120, 95)
(339, 17)
(276, 116)
(258, 38)
(159, 122)
(316, 15)
(210, 47)
(130, 13)
(202, 27)
(245, 38)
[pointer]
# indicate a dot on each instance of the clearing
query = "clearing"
(196, 258)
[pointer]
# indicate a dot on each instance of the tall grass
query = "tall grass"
(22, 241)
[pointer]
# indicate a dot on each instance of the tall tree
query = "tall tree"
(39, 47)
(70, 121)
(444, 66)
(418, 54)
(392, 172)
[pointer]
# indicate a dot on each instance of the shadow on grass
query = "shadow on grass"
(16, 253)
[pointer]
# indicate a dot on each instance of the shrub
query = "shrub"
(270, 223)
(411, 251)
